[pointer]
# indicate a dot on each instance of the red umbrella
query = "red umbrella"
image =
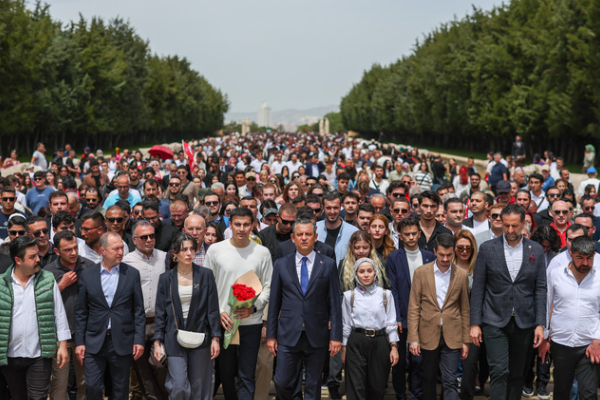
(161, 151)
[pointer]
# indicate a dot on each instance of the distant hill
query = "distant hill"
(290, 119)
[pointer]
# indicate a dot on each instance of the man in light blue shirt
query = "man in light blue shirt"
(38, 196)
(123, 186)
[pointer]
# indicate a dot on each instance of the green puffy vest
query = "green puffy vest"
(44, 301)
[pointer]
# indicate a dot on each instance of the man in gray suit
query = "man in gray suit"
(508, 303)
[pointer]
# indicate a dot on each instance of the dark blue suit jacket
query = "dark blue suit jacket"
(290, 310)
(288, 247)
(494, 295)
(309, 169)
(128, 320)
(203, 315)
(399, 274)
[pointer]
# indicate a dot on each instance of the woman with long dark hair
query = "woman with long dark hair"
(187, 306)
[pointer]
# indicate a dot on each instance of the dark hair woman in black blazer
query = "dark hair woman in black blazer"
(187, 300)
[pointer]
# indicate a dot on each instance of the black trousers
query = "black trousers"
(477, 356)
(288, 373)
(367, 366)
(240, 361)
(445, 360)
(542, 371)
(571, 362)
(399, 371)
(28, 378)
(508, 350)
(95, 366)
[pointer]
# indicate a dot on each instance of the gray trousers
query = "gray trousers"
(190, 377)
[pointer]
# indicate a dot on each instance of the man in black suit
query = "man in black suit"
(508, 303)
(305, 299)
(401, 265)
(288, 247)
(110, 305)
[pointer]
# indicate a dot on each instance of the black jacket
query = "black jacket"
(271, 239)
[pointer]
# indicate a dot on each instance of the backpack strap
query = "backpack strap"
(352, 300)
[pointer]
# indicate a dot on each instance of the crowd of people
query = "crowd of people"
(372, 260)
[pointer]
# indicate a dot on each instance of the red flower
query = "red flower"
(243, 292)
(531, 258)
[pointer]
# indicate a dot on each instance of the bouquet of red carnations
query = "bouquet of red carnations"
(243, 294)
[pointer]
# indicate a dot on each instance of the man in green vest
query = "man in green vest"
(32, 321)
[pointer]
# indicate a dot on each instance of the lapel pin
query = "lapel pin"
(197, 286)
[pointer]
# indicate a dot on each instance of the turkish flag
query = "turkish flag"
(187, 149)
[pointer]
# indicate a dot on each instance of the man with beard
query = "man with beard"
(164, 232)
(134, 179)
(92, 227)
(95, 178)
(66, 269)
(151, 192)
(35, 328)
(39, 231)
(478, 205)
(508, 302)
(92, 198)
(575, 346)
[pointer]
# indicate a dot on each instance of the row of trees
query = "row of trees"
(94, 83)
(529, 68)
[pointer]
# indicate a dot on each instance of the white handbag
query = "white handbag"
(187, 339)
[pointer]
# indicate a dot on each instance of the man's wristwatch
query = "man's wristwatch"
(394, 344)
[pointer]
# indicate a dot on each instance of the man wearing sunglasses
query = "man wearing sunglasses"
(212, 201)
(38, 229)
(186, 187)
(272, 236)
(400, 210)
(561, 211)
(38, 196)
(92, 198)
(164, 232)
(115, 222)
(552, 194)
(17, 226)
(8, 198)
(495, 226)
(150, 262)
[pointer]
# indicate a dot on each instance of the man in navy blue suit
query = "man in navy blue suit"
(314, 168)
(305, 299)
(401, 267)
(110, 323)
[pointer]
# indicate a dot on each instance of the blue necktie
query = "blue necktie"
(304, 275)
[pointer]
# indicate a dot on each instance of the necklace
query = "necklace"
(184, 276)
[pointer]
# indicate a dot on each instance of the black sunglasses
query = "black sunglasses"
(174, 184)
(286, 222)
(9, 198)
(16, 233)
(39, 233)
(211, 203)
(146, 237)
(117, 220)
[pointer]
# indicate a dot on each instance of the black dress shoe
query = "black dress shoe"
(334, 394)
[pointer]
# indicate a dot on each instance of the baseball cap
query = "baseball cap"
(545, 168)
(503, 187)
(592, 170)
(270, 211)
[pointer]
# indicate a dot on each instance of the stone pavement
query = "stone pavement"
(389, 394)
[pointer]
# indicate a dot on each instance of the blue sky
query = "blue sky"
(299, 54)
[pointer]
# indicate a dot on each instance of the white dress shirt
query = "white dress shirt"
(150, 270)
(513, 257)
(369, 313)
(563, 259)
(309, 264)
(575, 318)
(442, 282)
(24, 340)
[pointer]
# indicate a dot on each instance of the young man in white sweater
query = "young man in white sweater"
(229, 260)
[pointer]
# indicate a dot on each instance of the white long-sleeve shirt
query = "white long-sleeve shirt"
(575, 318)
(228, 263)
(24, 340)
(369, 313)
